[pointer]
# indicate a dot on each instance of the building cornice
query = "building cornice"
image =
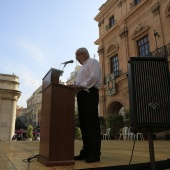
(132, 12)
(16, 92)
(9, 81)
(105, 7)
(8, 75)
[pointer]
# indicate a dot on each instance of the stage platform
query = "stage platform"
(114, 153)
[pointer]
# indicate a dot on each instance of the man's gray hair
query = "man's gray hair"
(83, 49)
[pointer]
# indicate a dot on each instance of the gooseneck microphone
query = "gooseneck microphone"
(67, 62)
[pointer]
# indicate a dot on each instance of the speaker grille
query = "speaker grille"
(149, 91)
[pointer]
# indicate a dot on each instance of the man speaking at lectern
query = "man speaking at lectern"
(87, 88)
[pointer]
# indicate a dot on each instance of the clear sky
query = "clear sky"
(36, 35)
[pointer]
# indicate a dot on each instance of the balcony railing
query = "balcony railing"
(163, 51)
(111, 24)
(117, 74)
(108, 26)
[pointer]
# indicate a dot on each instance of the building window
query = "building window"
(115, 66)
(137, 1)
(111, 22)
(134, 3)
(143, 46)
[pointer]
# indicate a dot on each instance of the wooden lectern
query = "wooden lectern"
(57, 122)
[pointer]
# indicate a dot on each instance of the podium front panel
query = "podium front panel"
(57, 126)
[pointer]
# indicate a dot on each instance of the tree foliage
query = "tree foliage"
(127, 118)
(76, 120)
(30, 131)
(115, 122)
(19, 124)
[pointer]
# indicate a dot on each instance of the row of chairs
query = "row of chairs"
(128, 135)
(125, 135)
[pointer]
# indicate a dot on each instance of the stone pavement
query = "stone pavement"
(114, 152)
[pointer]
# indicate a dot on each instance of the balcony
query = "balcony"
(117, 74)
(111, 24)
(163, 51)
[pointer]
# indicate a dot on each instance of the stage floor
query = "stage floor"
(113, 152)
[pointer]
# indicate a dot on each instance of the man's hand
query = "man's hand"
(77, 88)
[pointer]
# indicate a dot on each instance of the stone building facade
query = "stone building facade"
(33, 110)
(128, 28)
(32, 113)
(9, 96)
(72, 80)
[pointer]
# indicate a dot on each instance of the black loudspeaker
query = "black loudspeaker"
(149, 92)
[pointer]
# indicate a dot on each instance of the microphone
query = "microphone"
(67, 62)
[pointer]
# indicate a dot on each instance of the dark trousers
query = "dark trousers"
(89, 121)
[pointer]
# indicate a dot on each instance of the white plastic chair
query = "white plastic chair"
(139, 135)
(121, 134)
(107, 134)
(124, 133)
(131, 135)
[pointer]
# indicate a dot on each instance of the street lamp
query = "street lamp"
(156, 35)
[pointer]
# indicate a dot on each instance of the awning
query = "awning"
(20, 131)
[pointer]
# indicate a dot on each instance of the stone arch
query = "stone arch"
(167, 12)
(114, 107)
(112, 48)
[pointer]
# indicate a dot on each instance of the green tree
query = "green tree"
(19, 124)
(127, 118)
(30, 131)
(76, 120)
(78, 134)
(115, 122)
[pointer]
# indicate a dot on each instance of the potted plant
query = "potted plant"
(78, 134)
(30, 132)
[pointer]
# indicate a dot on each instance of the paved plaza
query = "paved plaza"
(114, 153)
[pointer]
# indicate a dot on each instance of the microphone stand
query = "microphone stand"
(64, 66)
(71, 61)
(62, 69)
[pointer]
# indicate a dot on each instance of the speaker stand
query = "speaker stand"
(151, 150)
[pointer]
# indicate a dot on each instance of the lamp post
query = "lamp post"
(156, 35)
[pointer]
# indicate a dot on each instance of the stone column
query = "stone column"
(9, 96)
(102, 94)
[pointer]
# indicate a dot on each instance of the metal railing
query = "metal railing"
(111, 24)
(117, 74)
(163, 51)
